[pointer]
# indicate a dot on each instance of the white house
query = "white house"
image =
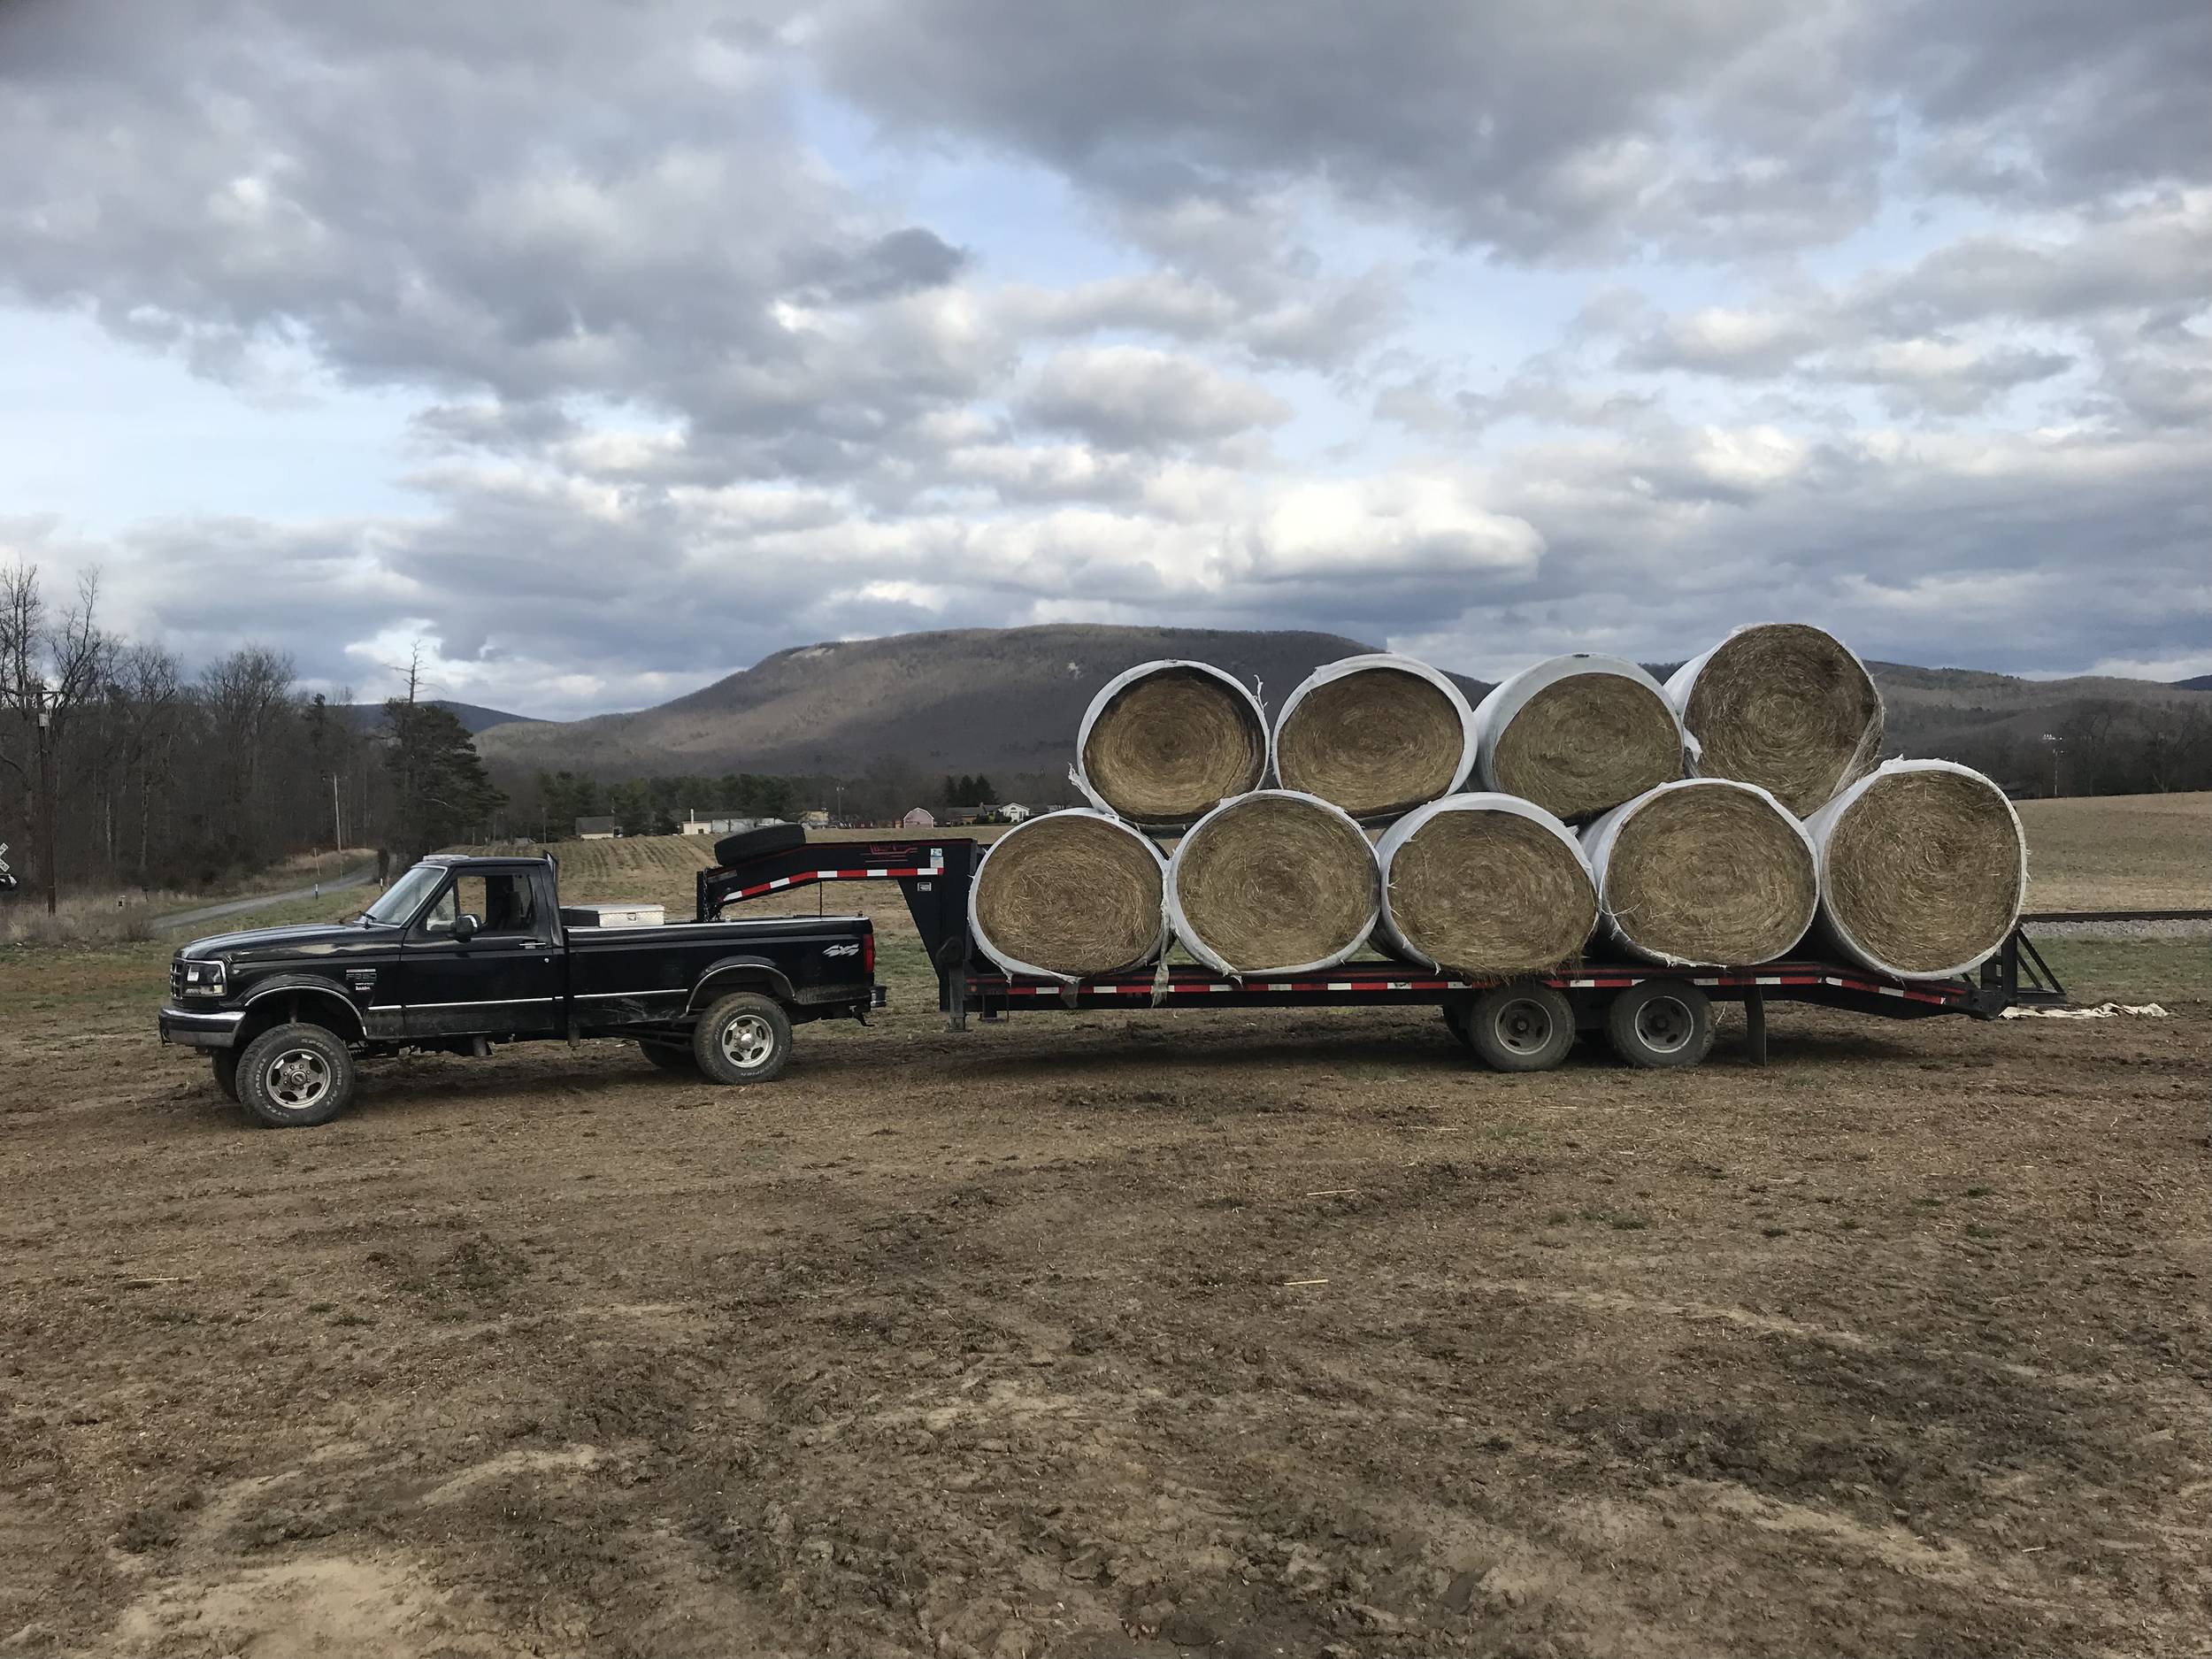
(1013, 811)
(920, 818)
(716, 824)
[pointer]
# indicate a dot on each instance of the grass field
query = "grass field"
(2135, 852)
(1109, 1336)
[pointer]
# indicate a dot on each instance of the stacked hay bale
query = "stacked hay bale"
(1578, 735)
(1705, 872)
(1377, 736)
(1070, 896)
(1923, 868)
(1914, 870)
(1165, 743)
(1485, 884)
(1782, 705)
(1273, 882)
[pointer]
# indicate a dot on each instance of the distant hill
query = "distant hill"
(1009, 701)
(2202, 682)
(368, 716)
(994, 700)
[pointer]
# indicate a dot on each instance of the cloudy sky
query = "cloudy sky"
(608, 345)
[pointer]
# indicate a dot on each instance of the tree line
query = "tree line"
(2100, 746)
(121, 767)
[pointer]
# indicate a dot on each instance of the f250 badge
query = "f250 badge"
(841, 950)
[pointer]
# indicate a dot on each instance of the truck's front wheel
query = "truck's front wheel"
(743, 1038)
(295, 1077)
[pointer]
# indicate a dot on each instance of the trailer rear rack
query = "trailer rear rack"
(936, 873)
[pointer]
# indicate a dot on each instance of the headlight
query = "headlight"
(203, 979)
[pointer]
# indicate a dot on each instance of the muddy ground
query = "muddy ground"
(1281, 1332)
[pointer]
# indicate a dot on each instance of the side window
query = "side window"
(508, 906)
(463, 896)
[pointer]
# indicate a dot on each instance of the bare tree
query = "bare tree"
(243, 692)
(145, 690)
(50, 667)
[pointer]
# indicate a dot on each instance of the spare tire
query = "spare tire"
(764, 843)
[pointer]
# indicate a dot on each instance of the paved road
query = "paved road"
(262, 900)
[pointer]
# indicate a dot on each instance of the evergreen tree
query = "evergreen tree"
(441, 793)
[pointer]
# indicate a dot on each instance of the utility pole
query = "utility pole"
(337, 823)
(48, 833)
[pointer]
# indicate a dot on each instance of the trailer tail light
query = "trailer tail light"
(868, 955)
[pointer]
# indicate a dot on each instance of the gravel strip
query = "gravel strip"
(2120, 930)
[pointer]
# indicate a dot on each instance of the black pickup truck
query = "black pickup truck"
(461, 953)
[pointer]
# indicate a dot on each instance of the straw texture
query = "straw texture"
(1587, 742)
(1787, 707)
(1487, 891)
(1274, 882)
(1072, 894)
(1924, 870)
(1171, 744)
(1375, 740)
(1708, 873)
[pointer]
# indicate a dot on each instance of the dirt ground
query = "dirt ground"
(1282, 1333)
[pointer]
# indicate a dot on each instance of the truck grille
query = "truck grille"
(176, 976)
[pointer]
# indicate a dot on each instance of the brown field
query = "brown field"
(1143, 1335)
(2129, 852)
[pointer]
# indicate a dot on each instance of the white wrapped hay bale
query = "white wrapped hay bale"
(1070, 896)
(1922, 869)
(1166, 742)
(1273, 882)
(1377, 734)
(1485, 884)
(1579, 734)
(1705, 872)
(1785, 705)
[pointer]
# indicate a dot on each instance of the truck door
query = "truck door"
(504, 979)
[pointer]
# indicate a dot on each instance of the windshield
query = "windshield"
(405, 895)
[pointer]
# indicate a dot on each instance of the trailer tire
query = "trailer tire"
(743, 1038)
(295, 1076)
(670, 1056)
(1527, 1026)
(226, 1064)
(1661, 1024)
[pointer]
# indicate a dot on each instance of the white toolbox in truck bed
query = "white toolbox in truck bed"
(615, 915)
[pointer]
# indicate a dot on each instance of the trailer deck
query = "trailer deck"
(935, 874)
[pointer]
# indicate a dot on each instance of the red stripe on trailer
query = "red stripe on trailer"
(801, 880)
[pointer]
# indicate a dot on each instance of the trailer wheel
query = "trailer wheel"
(1525, 1027)
(225, 1070)
(743, 1038)
(669, 1057)
(295, 1077)
(1661, 1024)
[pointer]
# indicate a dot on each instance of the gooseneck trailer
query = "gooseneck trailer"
(1653, 1015)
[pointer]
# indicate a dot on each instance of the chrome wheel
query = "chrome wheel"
(1523, 1025)
(749, 1041)
(1665, 1026)
(297, 1079)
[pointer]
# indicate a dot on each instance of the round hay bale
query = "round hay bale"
(1922, 869)
(1273, 882)
(1070, 896)
(1377, 734)
(1578, 735)
(1166, 742)
(1485, 884)
(1784, 705)
(1704, 873)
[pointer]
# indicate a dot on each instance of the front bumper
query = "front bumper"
(210, 1028)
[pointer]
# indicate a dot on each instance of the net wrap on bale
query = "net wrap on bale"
(1377, 734)
(1166, 742)
(1485, 884)
(1706, 872)
(1578, 735)
(1785, 705)
(1922, 869)
(1273, 882)
(1068, 895)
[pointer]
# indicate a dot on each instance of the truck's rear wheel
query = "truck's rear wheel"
(1525, 1027)
(669, 1057)
(295, 1077)
(1661, 1024)
(226, 1060)
(743, 1038)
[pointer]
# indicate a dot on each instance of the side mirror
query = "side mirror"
(466, 927)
